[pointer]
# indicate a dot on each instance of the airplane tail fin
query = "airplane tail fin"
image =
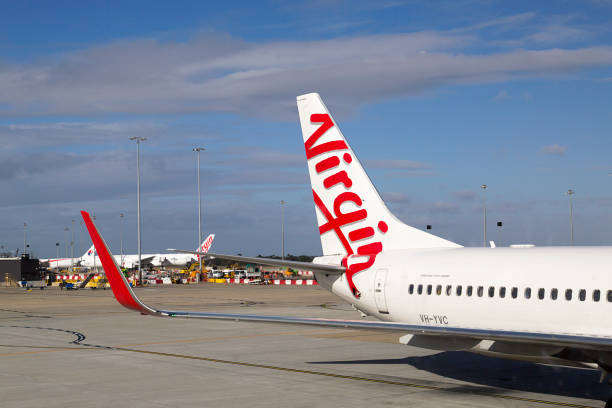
(90, 252)
(207, 243)
(352, 217)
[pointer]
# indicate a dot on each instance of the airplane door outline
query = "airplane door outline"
(380, 283)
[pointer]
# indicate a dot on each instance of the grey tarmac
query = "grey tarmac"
(82, 349)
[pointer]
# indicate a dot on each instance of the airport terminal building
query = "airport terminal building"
(14, 270)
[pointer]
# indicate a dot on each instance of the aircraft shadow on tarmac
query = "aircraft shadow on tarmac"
(501, 373)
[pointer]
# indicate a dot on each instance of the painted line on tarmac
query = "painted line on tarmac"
(79, 337)
(354, 378)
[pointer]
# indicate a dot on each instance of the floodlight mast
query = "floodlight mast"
(484, 214)
(198, 150)
(282, 202)
(570, 193)
(138, 139)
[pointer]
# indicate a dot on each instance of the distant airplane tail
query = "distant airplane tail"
(206, 244)
(352, 217)
(89, 253)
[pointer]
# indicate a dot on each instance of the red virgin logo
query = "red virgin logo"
(340, 163)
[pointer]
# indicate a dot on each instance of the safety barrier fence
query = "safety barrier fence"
(165, 280)
(269, 281)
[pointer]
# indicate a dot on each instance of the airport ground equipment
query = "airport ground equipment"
(101, 283)
(86, 280)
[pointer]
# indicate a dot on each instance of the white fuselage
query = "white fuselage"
(60, 262)
(131, 260)
(578, 269)
(160, 260)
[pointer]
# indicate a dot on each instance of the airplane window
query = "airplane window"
(502, 292)
(568, 294)
(429, 289)
(411, 288)
(439, 290)
(527, 293)
(596, 295)
(469, 291)
(491, 291)
(449, 290)
(459, 290)
(582, 295)
(420, 289)
(514, 292)
(553, 293)
(541, 293)
(480, 291)
(610, 296)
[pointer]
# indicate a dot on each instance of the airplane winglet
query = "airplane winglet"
(119, 285)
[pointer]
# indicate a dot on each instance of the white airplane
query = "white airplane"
(180, 259)
(545, 305)
(91, 258)
(62, 263)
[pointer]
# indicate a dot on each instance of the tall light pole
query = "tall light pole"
(198, 150)
(94, 250)
(282, 202)
(121, 236)
(66, 238)
(570, 193)
(484, 214)
(72, 248)
(24, 237)
(79, 246)
(56, 257)
(138, 139)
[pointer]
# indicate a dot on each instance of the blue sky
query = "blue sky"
(436, 98)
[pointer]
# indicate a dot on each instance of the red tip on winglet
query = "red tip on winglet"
(121, 289)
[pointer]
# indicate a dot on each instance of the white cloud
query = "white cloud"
(53, 177)
(219, 73)
(513, 21)
(554, 149)
(558, 33)
(465, 195)
(396, 164)
(441, 207)
(501, 95)
(19, 135)
(269, 158)
(395, 197)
